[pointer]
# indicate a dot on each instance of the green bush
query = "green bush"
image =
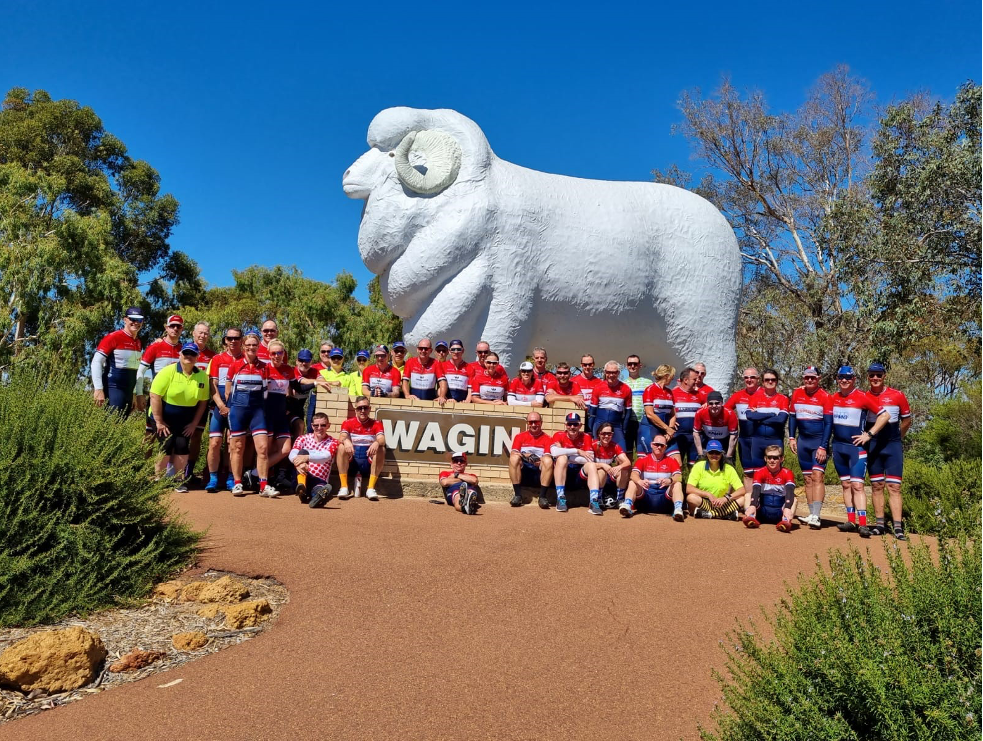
(83, 525)
(944, 499)
(859, 654)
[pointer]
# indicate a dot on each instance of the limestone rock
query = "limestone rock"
(225, 589)
(190, 641)
(247, 614)
(210, 611)
(169, 590)
(136, 659)
(192, 591)
(52, 660)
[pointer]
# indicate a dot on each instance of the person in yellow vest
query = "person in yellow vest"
(336, 376)
(179, 399)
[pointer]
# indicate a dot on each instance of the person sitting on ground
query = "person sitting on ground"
(656, 484)
(562, 387)
(530, 462)
(713, 489)
(455, 485)
(526, 389)
(312, 455)
(613, 465)
(363, 446)
(573, 450)
(772, 494)
(179, 400)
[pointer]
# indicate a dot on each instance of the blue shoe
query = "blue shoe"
(625, 508)
(320, 495)
(230, 482)
(561, 503)
(212, 486)
(595, 507)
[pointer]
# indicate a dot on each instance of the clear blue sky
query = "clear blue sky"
(252, 111)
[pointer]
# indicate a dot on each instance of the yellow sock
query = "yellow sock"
(302, 479)
(372, 480)
(344, 480)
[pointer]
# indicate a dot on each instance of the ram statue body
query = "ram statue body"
(473, 247)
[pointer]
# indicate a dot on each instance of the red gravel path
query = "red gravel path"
(408, 620)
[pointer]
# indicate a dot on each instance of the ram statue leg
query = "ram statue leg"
(508, 330)
(454, 311)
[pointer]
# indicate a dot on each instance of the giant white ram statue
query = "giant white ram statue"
(473, 247)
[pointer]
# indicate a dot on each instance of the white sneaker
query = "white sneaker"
(238, 491)
(814, 522)
(804, 520)
(343, 493)
(270, 492)
(371, 495)
(358, 487)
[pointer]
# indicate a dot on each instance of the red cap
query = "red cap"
(462, 455)
(175, 319)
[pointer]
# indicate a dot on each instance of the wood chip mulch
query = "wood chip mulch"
(148, 627)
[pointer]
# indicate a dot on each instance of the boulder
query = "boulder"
(225, 589)
(136, 659)
(247, 614)
(210, 611)
(168, 591)
(191, 591)
(190, 641)
(52, 661)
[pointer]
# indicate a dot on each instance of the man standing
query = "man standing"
(564, 388)
(160, 353)
(686, 403)
(539, 368)
(399, 357)
(218, 426)
(885, 462)
(612, 403)
(270, 332)
(380, 379)
(587, 380)
(363, 446)
(481, 351)
(457, 373)
(115, 362)
(702, 390)
(713, 422)
(768, 413)
(809, 428)
(738, 403)
(637, 384)
(530, 463)
(423, 377)
(850, 408)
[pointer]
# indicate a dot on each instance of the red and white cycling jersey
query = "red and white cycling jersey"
(520, 394)
(703, 392)
(122, 354)
(248, 382)
(422, 377)
(280, 378)
(738, 403)
(527, 443)
(774, 483)
(660, 399)
(715, 428)
(263, 352)
(607, 453)
(490, 388)
(658, 472)
(328, 446)
(384, 380)
(565, 444)
(458, 378)
(615, 399)
(586, 386)
(850, 414)
(894, 403)
(687, 403)
(808, 412)
(218, 370)
(571, 389)
(362, 435)
(204, 359)
(159, 354)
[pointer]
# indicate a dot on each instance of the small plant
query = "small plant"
(83, 525)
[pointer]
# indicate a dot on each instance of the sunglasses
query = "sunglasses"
(337, 358)
(534, 422)
(714, 404)
(773, 457)
(573, 424)
(563, 373)
(362, 409)
(380, 356)
(483, 352)
(269, 331)
(277, 352)
(251, 345)
(233, 339)
(399, 349)
(495, 362)
(421, 349)
(875, 375)
(457, 349)
(844, 378)
(770, 380)
(175, 326)
(701, 373)
(586, 365)
(750, 378)
(714, 452)
(324, 352)
(658, 445)
(810, 378)
(134, 321)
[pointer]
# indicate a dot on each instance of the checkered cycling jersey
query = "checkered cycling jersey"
(319, 449)
(384, 380)
(586, 387)
(658, 472)
(808, 418)
(895, 403)
(362, 435)
(687, 403)
(490, 388)
(850, 414)
(526, 443)
(715, 428)
(122, 354)
(421, 377)
(738, 403)
(519, 393)
(607, 453)
(660, 399)
(218, 370)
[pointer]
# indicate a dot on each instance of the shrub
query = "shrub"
(83, 524)
(945, 499)
(858, 654)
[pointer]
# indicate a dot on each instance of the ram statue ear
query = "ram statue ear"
(443, 156)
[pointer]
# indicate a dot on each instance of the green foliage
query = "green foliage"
(83, 525)
(943, 499)
(81, 222)
(953, 429)
(859, 654)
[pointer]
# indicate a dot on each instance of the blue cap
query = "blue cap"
(362, 354)
(305, 356)
(876, 368)
(845, 370)
(399, 343)
(336, 352)
(573, 417)
(714, 446)
(190, 347)
(457, 343)
(441, 343)
(135, 313)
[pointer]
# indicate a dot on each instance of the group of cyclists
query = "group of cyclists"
(255, 395)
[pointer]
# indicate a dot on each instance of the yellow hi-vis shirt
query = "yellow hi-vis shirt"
(716, 483)
(178, 389)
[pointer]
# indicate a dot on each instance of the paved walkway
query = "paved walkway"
(408, 620)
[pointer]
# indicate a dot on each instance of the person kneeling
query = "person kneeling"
(311, 455)
(713, 489)
(455, 485)
(656, 484)
(772, 494)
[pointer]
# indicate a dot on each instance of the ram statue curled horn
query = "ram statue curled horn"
(470, 246)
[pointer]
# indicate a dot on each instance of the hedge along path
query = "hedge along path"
(408, 620)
